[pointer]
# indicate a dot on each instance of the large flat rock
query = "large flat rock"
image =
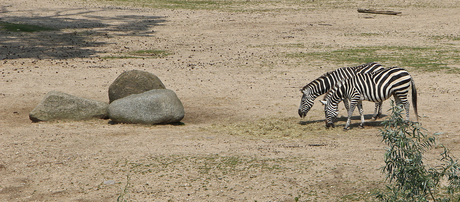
(58, 105)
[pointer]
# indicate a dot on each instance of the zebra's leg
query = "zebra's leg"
(350, 113)
(407, 107)
(377, 111)
(347, 106)
(405, 104)
(360, 109)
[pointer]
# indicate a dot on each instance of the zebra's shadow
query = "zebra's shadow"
(340, 122)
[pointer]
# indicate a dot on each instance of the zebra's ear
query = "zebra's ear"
(323, 102)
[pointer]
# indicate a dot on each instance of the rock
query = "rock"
(158, 106)
(133, 82)
(58, 105)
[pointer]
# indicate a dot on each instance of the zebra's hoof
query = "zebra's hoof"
(377, 116)
(346, 129)
(361, 126)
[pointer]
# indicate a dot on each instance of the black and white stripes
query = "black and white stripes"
(375, 87)
(325, 82)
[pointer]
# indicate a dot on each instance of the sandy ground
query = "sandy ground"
(229, 71)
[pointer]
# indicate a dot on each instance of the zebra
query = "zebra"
(324, 83)
(375, 87)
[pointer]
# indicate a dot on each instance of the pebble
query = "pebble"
(109, 182)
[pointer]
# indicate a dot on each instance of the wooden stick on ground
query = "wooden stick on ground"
(378, 12)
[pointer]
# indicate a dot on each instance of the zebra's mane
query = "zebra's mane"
(342, 69)
(325, 75)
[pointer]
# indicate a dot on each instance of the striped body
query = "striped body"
(325, 82)
(374, 87)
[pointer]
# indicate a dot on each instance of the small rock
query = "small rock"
(109, 182)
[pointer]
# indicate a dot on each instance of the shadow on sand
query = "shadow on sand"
(72, 36)
(355, 121)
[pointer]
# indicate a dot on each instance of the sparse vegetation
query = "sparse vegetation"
(420, 58)
(445, 37)
(122, 197)
(274, 128)
(410, 179)
(213, 165)
(232, 6)
(18, 27)
(150, 53)
(269, 5)
(205, 171)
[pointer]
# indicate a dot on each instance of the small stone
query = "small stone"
(109, 182)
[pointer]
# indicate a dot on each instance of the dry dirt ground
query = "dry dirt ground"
(242, 139)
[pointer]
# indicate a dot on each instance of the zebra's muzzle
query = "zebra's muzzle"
(329, 125)
(302, 114)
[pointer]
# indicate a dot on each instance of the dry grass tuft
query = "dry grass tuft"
(275, 128)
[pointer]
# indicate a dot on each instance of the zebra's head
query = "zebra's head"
(331, 111)
(306, 102)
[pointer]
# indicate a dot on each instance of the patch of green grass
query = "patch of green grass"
(370, 34)
(420, 58)
(445, 37)
(150, 53)
(16, 27)
(120, 57)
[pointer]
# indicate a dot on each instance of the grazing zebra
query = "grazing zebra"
(374, 87)
(325, 82)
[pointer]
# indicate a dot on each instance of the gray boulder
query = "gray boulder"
(158, 106)
(58, 105)
(133, 82)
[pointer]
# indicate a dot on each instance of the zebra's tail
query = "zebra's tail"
(414, 97)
